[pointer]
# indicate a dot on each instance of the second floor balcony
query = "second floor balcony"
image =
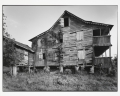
(101, 40)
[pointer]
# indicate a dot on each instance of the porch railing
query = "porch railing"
(101, 40)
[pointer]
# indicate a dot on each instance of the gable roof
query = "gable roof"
(24, 46)
(67, 12)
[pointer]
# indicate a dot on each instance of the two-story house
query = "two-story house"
(83, 43)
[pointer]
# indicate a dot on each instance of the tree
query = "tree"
(9, 52)
(9, 57)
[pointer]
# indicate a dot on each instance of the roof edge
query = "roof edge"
(48, 29)
(85, 21)
(17, 43)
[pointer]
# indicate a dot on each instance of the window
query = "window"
(61, 40)
(40, 54)
(80, 36)
(44, 56)
(55, 56)
(96, 32)
(81, 54)
(64, 22)
(25, 55)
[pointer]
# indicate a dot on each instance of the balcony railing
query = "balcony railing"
(101, 40)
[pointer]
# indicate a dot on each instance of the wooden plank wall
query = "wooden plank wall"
(50, 50)
(30, 58)
(21, 56)
(106, 62)
(87, 43)
(71, 45)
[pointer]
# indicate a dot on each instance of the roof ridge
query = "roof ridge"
(85, 21)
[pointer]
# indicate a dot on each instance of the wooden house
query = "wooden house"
(24, 55)
(83, 43)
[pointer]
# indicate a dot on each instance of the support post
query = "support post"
(92, 69)
(28, 63)
(47, 69)
(109, 69)
(93, 57)
(110, 51)
(76, 68)
(61, 69)
(34, 61)
(110, 46)
(29, 69)
(14, 70)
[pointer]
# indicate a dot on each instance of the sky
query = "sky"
(25, 22)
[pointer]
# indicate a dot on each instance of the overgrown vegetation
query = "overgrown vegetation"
(9, 53)
(54, 81)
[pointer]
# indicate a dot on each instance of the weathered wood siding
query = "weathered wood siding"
(70, 44)
(106, 62)
(39, 45)
(24, 57)
(38, 49)
(101, 41)
(30, 59)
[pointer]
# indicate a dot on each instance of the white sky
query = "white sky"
(25, 22)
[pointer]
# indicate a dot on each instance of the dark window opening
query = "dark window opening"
(44, 56)
(61, 40)
(96, 32)
(66, 22)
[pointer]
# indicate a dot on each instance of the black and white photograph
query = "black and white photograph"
(63, 48)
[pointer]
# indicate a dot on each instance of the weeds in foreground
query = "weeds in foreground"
(58, 82)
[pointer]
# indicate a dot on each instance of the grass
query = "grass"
(55, 81)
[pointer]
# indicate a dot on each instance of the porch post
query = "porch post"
(105, 54)
(110, 51)
(109, 46)
(109, 69)
(100, 32)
